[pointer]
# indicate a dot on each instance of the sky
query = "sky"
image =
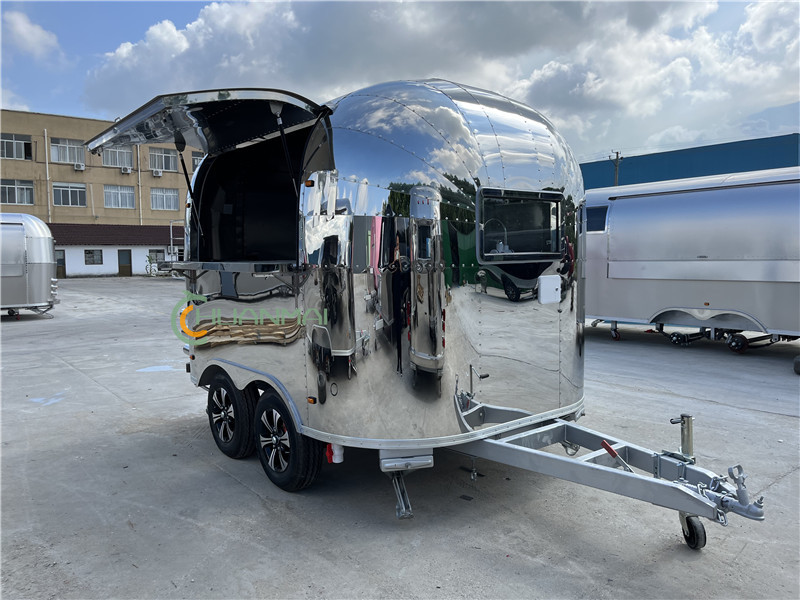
(634, 77)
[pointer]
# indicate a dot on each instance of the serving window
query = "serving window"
(517, 226)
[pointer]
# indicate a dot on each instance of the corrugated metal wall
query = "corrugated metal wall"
(733, 157)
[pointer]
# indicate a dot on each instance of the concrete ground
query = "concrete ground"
(112, 485)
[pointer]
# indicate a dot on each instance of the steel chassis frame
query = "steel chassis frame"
(668, 479)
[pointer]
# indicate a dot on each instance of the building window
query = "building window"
(66, 151)
(15, 191)
(69, 194)
(164, 199)
(196, 158)
(156, 255)
(118, 196)
(118, 157)
(16, 146)
(93, 257)
(163, 159)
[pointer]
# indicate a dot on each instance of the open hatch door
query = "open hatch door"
(244, 206)
(215, 121)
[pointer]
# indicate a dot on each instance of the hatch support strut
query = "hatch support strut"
(180, 146)
(276, 109)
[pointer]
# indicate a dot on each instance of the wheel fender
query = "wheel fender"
(208, 375)
(242, 377)
(706, 317)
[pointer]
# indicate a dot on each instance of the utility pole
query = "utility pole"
(617, 160)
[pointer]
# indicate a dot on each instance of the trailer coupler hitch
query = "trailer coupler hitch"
(741, 505)
(728, 499)
(719, 491)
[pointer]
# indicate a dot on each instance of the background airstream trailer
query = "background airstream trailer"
(290, 190)
(28, 264)
(720, 253)
(427, 302)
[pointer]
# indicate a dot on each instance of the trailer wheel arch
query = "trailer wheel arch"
(209, 374)
(254, 389)
(709, 318)
(260, 387)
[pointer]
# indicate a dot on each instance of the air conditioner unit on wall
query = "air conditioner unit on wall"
(126, 170)
(79, 166)
(157, 173)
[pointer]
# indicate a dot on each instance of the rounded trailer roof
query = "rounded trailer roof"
(691, 183)
(447, 130)
(34, 226)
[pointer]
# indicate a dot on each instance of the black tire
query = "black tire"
(291, 461)
(511, 290)
(694, 533)
(738, 343)
(230, 416)
(679, 339)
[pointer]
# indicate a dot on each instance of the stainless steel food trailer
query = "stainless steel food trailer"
(28, 277)
(284, 177)
(720, 253)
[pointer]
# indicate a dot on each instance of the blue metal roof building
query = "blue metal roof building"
(733, 157)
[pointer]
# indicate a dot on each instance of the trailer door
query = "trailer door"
(261, 145)
(216, 121)
(14, 288)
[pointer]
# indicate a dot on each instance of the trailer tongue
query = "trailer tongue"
(667, 479)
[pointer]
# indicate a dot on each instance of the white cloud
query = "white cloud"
(670, 80)
(620, 74)
(11, 101)
(772, 26)
(21, 35)
(675, 135)
(227, 45)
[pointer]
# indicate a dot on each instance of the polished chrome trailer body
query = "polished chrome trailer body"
(28, 276)
(397, 196)
(720, 253)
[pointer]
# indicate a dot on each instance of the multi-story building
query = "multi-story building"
(111, 214)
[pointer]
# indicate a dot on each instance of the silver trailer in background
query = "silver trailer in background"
(396, 195)
(28, 275)
(720, 253)
(334, 335)
(427, 313)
